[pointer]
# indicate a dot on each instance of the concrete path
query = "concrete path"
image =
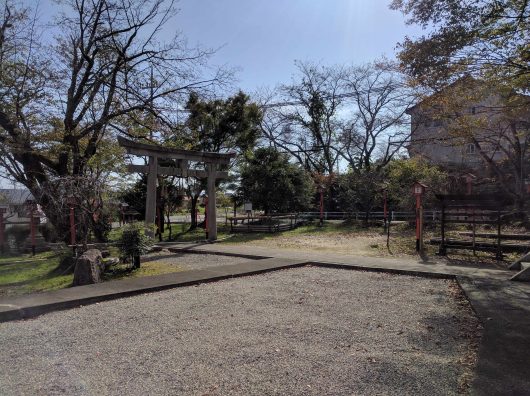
(427, 267)
(502, 306)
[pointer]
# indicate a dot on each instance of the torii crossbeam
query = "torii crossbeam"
(156, 152)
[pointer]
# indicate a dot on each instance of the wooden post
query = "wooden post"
(388, 234)
(212, 213)
(474, 233)
(385, 210)
(499, 248)
(150, 203)
(73, 231)
(442, 250)
(321, 206)
(421, 228)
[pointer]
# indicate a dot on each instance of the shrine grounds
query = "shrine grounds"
(165, 341)
(25, 274)
(309, 330)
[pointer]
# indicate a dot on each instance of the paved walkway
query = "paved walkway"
(503, 306)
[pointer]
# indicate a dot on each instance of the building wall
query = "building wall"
(444, 138)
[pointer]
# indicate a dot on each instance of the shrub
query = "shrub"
(401, 174)
(133, 243)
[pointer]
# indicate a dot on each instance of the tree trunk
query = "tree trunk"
(194, 200)
(136, 262)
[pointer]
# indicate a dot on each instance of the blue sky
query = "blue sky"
(264, 38)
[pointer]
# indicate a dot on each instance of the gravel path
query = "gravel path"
(306, 331)
(191, 261)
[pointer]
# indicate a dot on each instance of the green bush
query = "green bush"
(133, 243)
(401, 174)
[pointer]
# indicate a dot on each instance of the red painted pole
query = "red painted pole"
(321, 206)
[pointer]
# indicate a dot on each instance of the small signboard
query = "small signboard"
(418, 188)
(248, 206)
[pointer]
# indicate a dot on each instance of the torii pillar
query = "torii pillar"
(212, 209)
(150, 202)
(153, 170)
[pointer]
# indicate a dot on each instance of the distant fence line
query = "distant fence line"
(392, 215)
(428, 215)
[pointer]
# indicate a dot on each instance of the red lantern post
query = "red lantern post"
(321, 190)
(418, 191)
(2, 211)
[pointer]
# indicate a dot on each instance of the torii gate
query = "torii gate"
(156, 152)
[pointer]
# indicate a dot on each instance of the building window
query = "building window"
(471, 148)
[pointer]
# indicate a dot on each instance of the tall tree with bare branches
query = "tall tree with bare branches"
(307, 122)
(378, 126)
(105, 70)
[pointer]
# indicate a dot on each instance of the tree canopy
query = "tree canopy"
(272, 183)
(484, 38)
(105, 69)
(219, 125)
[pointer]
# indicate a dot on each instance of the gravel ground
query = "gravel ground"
(191, 261)
(305, 331)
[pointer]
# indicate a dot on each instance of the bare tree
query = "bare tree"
(305, 120)
(106, 70)
(354, 114)
(379, 126)
(83, 193)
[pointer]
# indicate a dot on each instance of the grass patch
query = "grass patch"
(149, 268)
(28, 274)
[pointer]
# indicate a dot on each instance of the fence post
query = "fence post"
(499, 249)
(442, 249)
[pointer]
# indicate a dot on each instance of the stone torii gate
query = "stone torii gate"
(156, 152)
